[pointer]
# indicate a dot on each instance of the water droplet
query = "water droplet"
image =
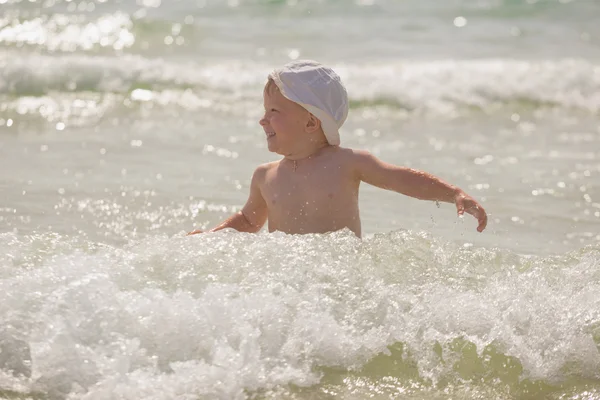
(293, 54)
(460, 21)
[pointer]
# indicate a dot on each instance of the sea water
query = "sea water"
(125, 124)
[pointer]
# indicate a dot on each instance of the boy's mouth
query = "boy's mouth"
(270, 135)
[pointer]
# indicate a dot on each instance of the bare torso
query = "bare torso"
(314, 195)
(319, 193)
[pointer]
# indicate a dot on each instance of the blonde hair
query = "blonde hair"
(270, 86)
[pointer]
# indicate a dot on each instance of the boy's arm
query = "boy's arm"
(254, 213)
(417, 184)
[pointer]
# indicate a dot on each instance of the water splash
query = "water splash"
(224, 315)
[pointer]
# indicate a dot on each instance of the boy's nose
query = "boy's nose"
(262, 121)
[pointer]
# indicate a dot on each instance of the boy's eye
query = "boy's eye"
(272, 109)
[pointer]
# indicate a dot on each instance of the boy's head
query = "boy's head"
(316, 89)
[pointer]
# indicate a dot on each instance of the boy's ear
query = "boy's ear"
(312, 124)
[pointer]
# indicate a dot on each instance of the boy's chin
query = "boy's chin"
(274, 148)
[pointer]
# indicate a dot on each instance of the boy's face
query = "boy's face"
(284, 122)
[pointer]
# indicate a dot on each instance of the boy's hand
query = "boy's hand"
(464, 202)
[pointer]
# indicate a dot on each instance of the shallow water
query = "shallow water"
(125, 124)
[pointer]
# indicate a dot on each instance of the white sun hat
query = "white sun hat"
(319, 90)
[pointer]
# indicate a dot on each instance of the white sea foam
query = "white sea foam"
(440, 87)
(60, 32)
(225, 314)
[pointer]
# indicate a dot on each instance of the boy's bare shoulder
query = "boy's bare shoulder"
(356, 161)
(354, 157)
(341, 153)
(352, 153)
(357, 153)
(268, 166)
(262, 169)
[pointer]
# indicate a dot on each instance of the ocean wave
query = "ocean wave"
(67, 33)
(439, 86)
(478, 83)
(225, 315)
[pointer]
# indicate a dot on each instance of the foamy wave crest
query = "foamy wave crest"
(62, 32)
(23, 76)
(226, 315)
(438, 86)
(446, 84)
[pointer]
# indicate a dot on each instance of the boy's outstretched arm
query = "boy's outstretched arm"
(254, 213)
(417, 184)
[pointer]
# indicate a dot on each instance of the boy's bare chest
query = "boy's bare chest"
(291, 189)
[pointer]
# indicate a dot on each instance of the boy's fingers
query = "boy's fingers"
(482, 224)
(482, 218)
(478, 212)
(475, 210)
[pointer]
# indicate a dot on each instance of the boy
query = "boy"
(314, 187)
